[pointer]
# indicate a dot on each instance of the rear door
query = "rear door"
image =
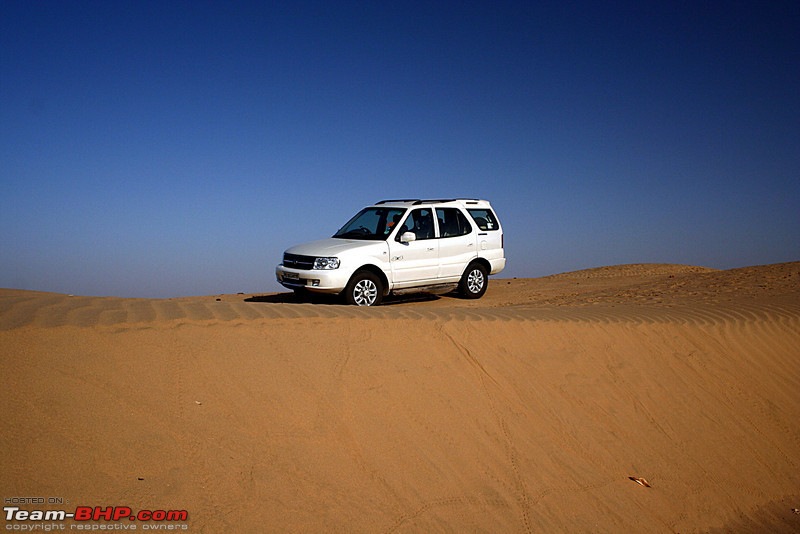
(457, 243)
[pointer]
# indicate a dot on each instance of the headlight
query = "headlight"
(326, 263)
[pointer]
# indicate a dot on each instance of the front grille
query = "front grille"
(296, 261)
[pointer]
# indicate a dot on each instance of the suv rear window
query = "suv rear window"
(484, 218)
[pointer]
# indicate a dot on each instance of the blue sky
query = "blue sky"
(159, 149)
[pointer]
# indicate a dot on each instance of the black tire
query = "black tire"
(364, 289)
(473, 282)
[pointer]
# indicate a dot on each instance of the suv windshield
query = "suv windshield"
(371, 223)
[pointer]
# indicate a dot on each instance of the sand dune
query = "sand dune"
(530, 410)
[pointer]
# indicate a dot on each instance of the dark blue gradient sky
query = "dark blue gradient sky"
(173, 148)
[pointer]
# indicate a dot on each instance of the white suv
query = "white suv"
(401, 246)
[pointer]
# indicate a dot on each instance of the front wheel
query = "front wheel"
(364, 289)
(473, 282)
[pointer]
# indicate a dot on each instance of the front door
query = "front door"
(416, 261)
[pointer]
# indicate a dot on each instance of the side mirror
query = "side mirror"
(408, 237)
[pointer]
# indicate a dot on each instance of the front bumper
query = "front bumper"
(321, 281)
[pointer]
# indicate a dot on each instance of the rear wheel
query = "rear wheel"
(473, 282)
(364, 289)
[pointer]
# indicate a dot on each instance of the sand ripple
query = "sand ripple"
(531, 410)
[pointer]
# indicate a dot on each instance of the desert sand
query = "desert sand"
(637, 398)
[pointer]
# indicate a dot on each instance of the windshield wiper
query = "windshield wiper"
(357, 233)
(353, 234)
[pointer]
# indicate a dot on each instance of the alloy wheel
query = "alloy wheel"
(475, 281)
(365, 292)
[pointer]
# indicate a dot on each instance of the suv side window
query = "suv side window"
(485, 219)
(452, 222)
(419, 221)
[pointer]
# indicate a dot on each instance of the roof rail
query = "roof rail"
(417, 201)
(398, 200)
(434, 201)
